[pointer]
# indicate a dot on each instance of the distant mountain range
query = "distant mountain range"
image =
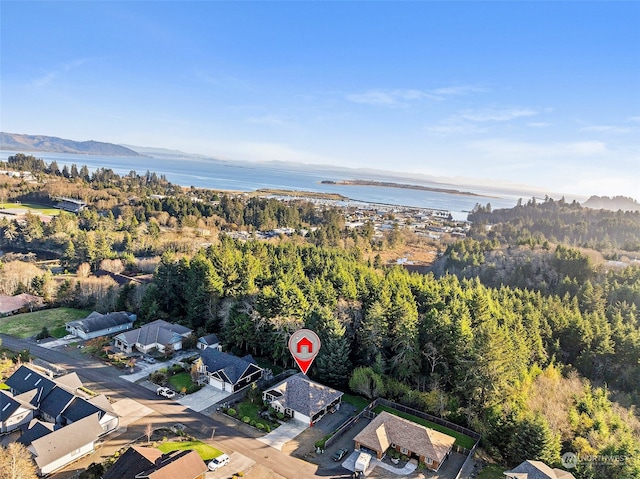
(52, 144)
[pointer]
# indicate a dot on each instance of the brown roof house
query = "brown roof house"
(387, 430)
(302, 399)
(537, 470)
(20, 303)
(150, 463)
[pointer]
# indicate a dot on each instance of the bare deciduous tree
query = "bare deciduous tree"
(16, 462)
(84, 270)
(148, 431)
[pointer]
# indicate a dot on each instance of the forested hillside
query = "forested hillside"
(516, 335)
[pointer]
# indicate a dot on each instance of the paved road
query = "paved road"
(226, 438)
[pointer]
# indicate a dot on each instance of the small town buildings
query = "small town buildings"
(14, 412)
(97, 324)
(149, 463)
(158, 334)
(227, 372)
(537, 470)
(302, 399)
(209, 341)
(406, 437)
(20, 303)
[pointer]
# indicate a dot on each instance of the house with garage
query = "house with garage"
(386, 431)
(14, 412)
(158, 334)
(97, 324)
(227, 372)
(209, 341)
(302, 399)
(537, 470)
(66, 425)
(59, 447)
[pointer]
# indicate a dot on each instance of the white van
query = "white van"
(362, 462)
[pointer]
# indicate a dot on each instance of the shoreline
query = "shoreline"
(390, 184)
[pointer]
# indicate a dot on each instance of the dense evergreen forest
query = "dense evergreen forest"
(519, 333)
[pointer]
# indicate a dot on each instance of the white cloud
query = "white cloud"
(606, 128)
(49, 76)
(390, 98)
(271, 120)
(634, 118)
(445, 128)
(500, 149)
(490, 114)
(539, 124)
(403, 97)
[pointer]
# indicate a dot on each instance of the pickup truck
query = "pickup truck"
(166, 392)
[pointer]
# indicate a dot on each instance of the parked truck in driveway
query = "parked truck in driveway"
(362, 463)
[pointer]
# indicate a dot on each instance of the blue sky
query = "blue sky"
(539, 93)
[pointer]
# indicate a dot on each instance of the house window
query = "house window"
(404, 450)
(393, 445)
(428, 461)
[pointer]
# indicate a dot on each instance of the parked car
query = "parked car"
(218, 462)
(149, 359)
(166, 392)
(339, 454)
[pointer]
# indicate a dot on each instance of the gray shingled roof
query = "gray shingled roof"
(97, 322)
(135, 460)
(305, 396)
(209, 339)
(538, 470)
(231, 366)
(61, 442)
(35, 430)
(158, 331)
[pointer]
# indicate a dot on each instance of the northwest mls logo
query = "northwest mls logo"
(569, 460)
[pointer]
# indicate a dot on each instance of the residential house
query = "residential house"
(20, 303)
(13, 412)
(72, 422)
(227, 372)
(150, 463)
(210, 341)
(158, 334)
(97, 324)
(537, 470)
(414, 440)
(60, 447)
(303, 399)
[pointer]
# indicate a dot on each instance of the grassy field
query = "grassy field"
(206, 452)
(26, 325)
(461, 439)
(45, 210)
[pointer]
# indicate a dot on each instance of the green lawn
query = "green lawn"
(357, 401)
(181, 380)
(252, 410)
(3, 386)
(492, 472)
(46, 210)
(206, 451)
(461, 439)
(29, 324)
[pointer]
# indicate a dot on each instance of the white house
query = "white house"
(97, 324)
(58, 448)
(158, 334)
(302, 399)
(13, 412)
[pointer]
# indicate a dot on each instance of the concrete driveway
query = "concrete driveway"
(204, 398)
(283, 434)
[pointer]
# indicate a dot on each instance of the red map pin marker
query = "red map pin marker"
(304, 345)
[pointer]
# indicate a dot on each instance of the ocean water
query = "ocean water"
(246, 176)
